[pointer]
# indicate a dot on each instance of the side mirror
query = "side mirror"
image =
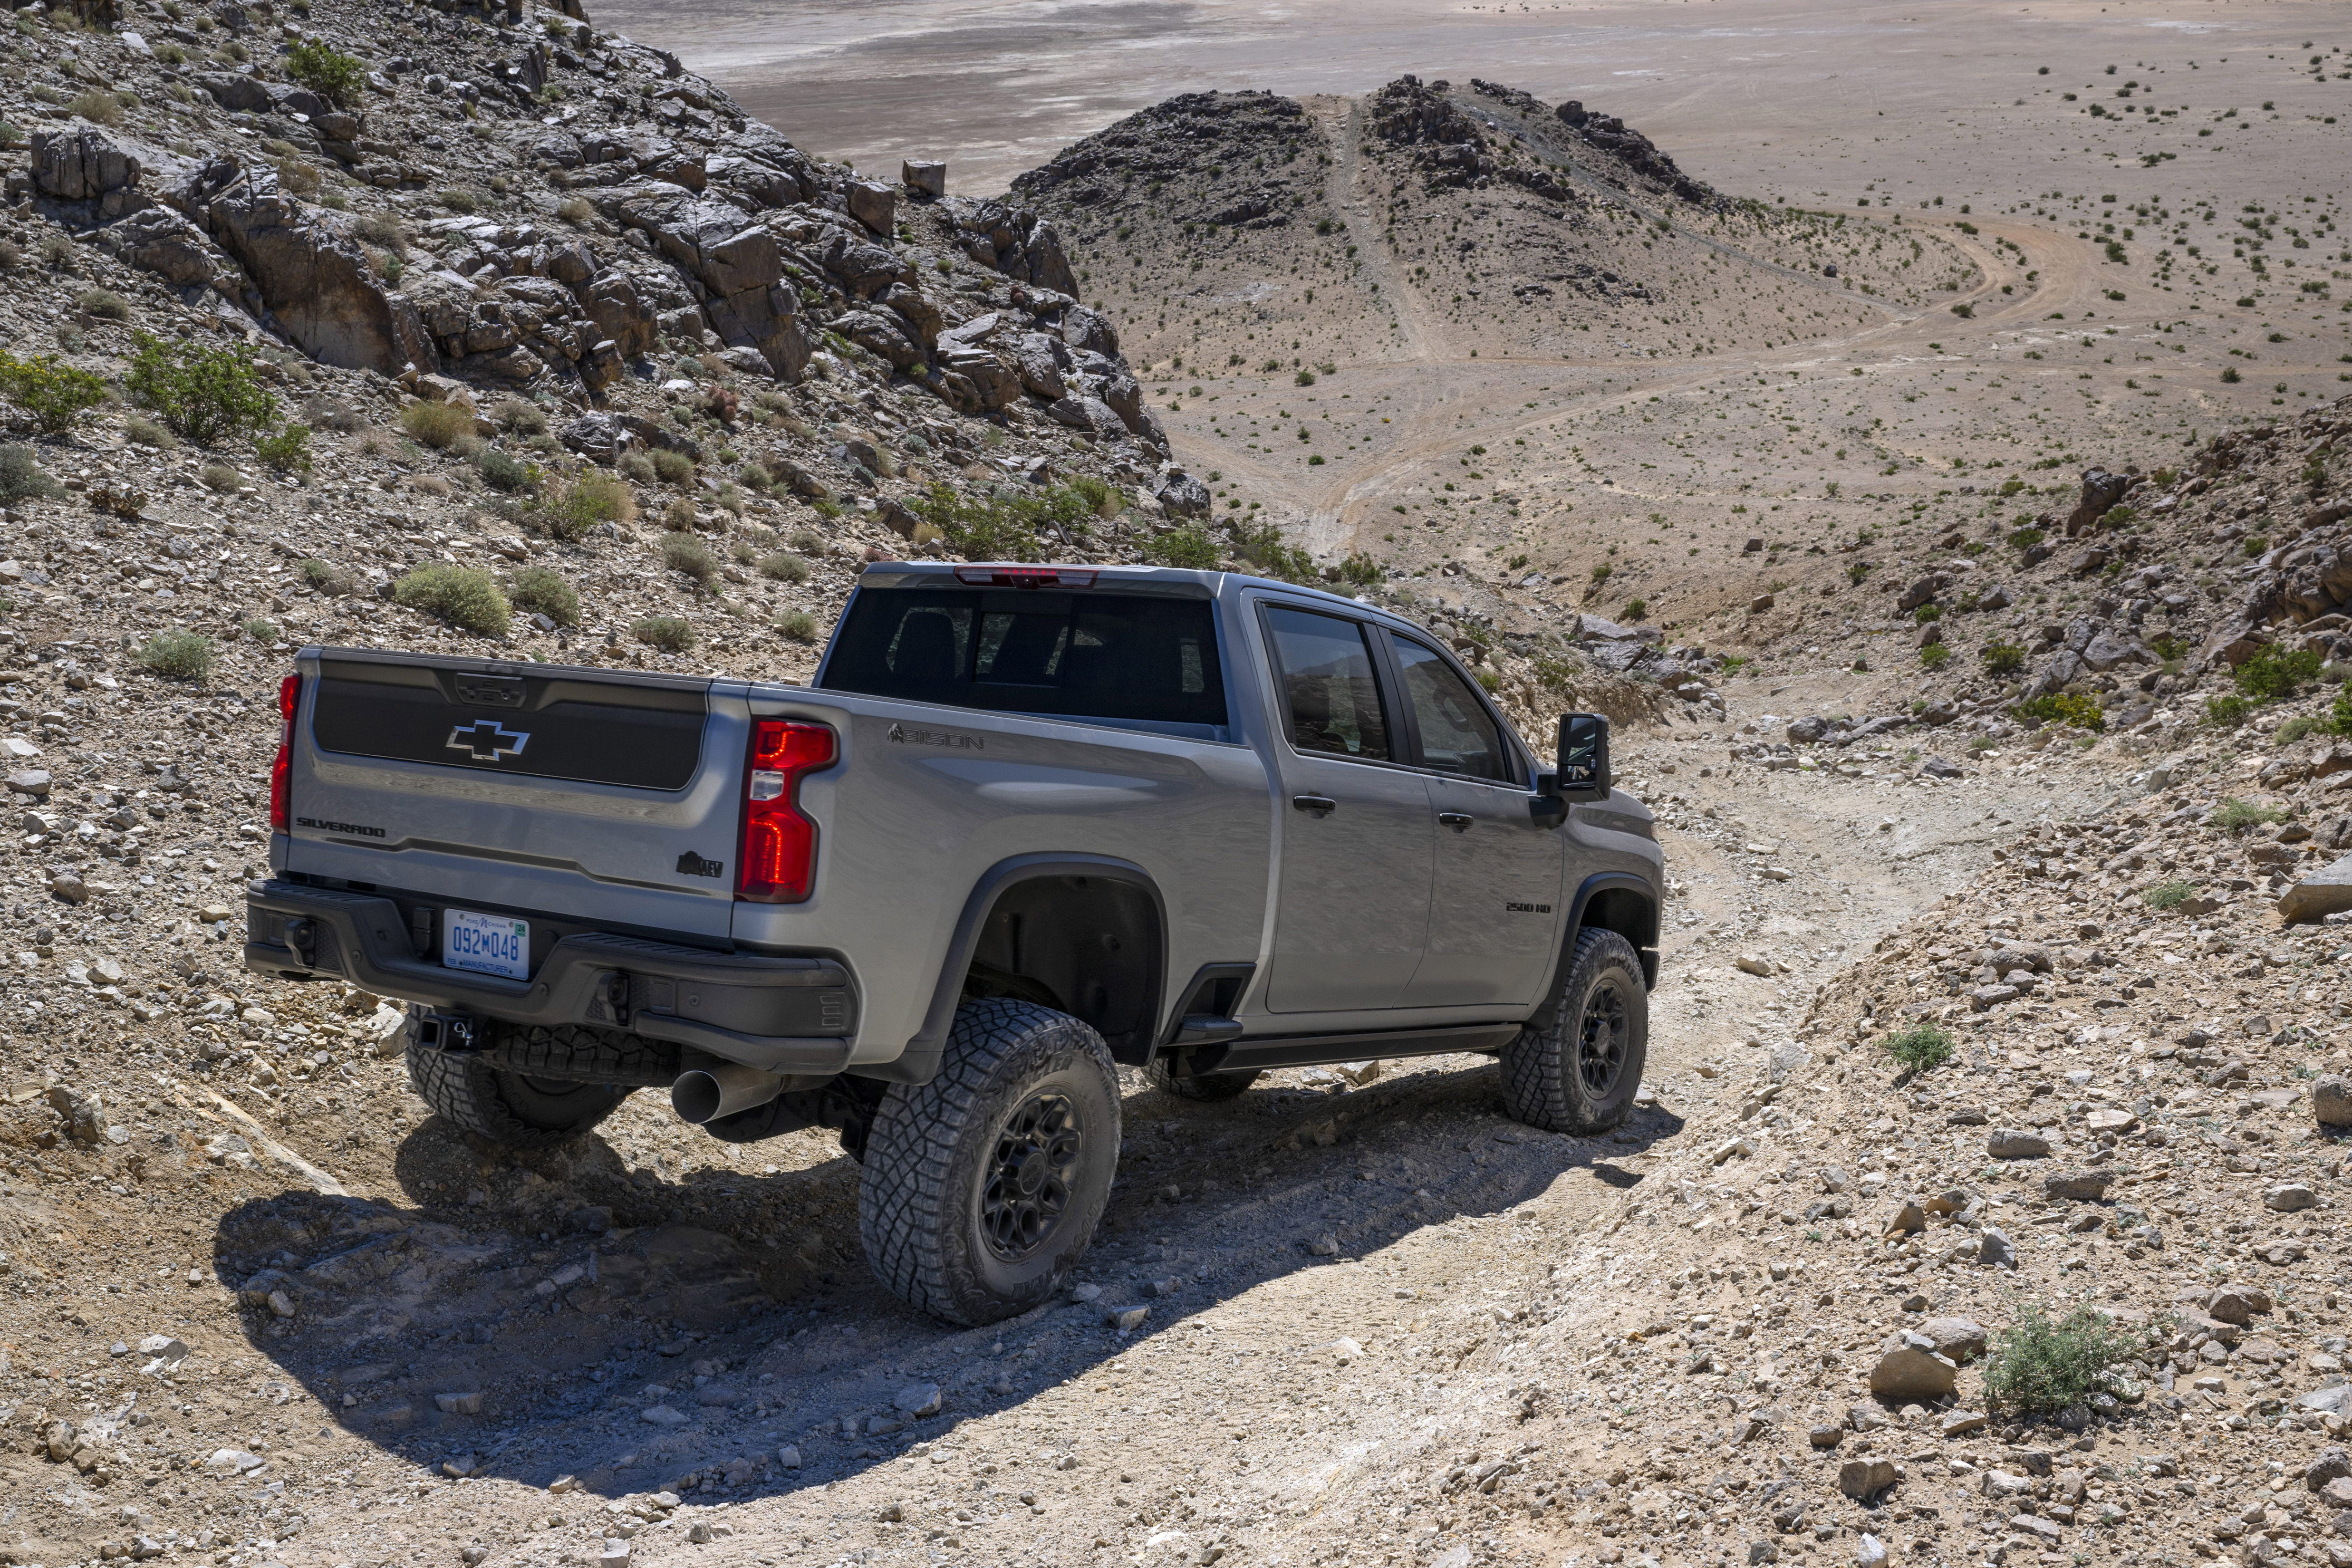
(1582, 772)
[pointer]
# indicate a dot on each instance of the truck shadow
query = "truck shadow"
(555, 1314)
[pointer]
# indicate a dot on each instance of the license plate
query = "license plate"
(488, 943)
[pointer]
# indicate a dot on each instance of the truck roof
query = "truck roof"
(1074, 574)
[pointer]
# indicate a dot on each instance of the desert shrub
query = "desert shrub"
(289, 451)
(2273, 672)
(202, 394)
(2234, 813)
(637, 465)
(23, 479)
(326, 578)
(97, 106)
(2227, 713)
(1635, 608)
(2339, 716)
(301, 178)
(1189, 547)
(334, 76)
(798, 626)
(537, 589)
(1102, 496)
(54, 393)
(222, 479)
(521, 417)
(178, 656)
(680, 516)
(2168, 894)
(261, 630)
(784, 567)
(671, 633)
(466, 597)
(1921, 1047)
(1265, 548)
(12, 255)
(808, 541)
(2039, 1367)
(2074, 709)
(673, 468)
(145, 432)
(58, 253)
(2002, 658)
(439, 425)
(1361, 570)
(105, 304)
(503, 471)
(383, 232)
(589, 498)
(322, 414)
(1935, 656)
(575, 211)
(685, 553)
(2296, 728)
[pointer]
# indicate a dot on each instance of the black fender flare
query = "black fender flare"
(919, 1061)
(1590, 887)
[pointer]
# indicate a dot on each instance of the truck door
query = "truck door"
(1353, 912)
(1493, 924)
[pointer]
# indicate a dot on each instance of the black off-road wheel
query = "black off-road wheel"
(1577, 1065)
(981, 1187)
(514, 1110)
(1164, 1074)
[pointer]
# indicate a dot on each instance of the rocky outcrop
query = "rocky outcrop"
(1016, 241)
(81, 165)
(312, 275)
(1607, 133)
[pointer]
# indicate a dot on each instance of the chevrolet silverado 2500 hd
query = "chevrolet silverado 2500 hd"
(1027, 824)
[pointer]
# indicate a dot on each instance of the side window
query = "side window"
(1334, 702)
(1457, 734)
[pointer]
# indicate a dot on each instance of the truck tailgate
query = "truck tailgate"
(568, 792)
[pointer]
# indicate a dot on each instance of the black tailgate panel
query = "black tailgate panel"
(540, 721)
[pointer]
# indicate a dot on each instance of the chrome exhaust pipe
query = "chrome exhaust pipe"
(707, 1094)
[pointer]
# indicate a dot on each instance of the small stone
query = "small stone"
(788, 1458)
(2331, 1464)
(2323, 893)
(2291, 1196)
(1960, 1423)
(1996, 1251)
(1127, 1319)
(32, 781)
(233, 1461)
(662, 1416)
(1324, 1246)
(2237, 1304)
(1750, 964)
(1960, 1339)
(2331, 1100)
(1859, 1478)
(281, 1304)
(1909, 1368)
(2016, 1144)
(1869, 1552)
(615, 1554)
(917, 1399)
(458, 1404)
(2336, 1493)
(1826, 1436)
(1763, 1551)
(1083, 1293)
(1908, 1217)
(2077, 1186)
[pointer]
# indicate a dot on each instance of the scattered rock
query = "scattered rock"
(2016, 1144)
(1860, 1479)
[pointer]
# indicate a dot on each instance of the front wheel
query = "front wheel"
(980, 1188)
(1577, 1065)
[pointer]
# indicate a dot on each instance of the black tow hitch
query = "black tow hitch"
(448, 1031)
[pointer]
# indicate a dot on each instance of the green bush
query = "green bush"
(439, 425)
(145, 432)
(2274, 673)
(2002, 658)
(503, 471)
(1921, 1047)
(2339, 718)
(2077, 710)
(202, 394)
(2296, 728)
(537, 589)
(2227, 713)
(685, 553)
(53, 392)
(178, 656)
(261, 631)
(222, 479)
(1003, 528)
(1361, 569)
(1265, 548)
(784, 567)
(105, 304)
(798, 626)
(2234, 813)
(673, 468)
(671, 633)
(338, 77)
(466, 597)
(318, 575)
(1635, 608)
(2168, 894)
(2040, 1367)
(1189, 547)
(23, 479)
(589, 498)
(97, 106)
(289, 451)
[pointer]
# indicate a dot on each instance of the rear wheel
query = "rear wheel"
(1577, 1065)
(1164, 1074)
(514, 1110)
(981, 1187)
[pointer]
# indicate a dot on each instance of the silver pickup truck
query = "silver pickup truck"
(1027, 824)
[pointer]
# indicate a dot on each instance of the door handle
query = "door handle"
(1458, 821)
(1319, 805)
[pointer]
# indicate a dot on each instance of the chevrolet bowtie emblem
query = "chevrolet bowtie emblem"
(487, 741)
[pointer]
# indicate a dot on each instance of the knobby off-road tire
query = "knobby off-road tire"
(980, 1188)
(1577, 1065)
(1162, 1075)
(514, 1110)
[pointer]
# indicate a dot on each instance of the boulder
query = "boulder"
(873, 203)
(2102, 493)
(2237, 1305)
(2016, 1144)
(924, 177)
(1182, 496)
(2289, 1196)
(741, 268)
(1860, 1479)
(1996, 1251)
(2106, 651)
(165, 242)
(2077, 1186)
(1089, 331)
(2331, 1100)
(2324, 892)
(1959, 1340)
(81, 164)
(1910, 1368)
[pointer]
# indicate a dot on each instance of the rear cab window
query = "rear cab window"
(1146, 661)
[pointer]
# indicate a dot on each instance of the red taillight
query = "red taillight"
(281, 771)
(1025, 577)
(777, 861)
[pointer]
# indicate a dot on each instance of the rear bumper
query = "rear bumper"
(780, 1014)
